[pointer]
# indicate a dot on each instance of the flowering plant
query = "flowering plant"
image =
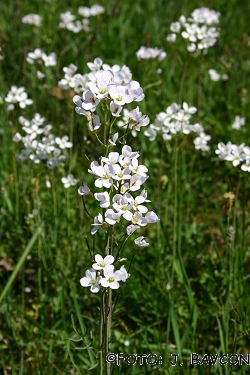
(118, 176)
(198, 30)
(177, 120)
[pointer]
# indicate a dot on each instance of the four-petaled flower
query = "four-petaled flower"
(111, 279)
(92, 280)
(101, 263)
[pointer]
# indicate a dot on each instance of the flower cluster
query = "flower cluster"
(133, 120)
(238, 122)
(205, 15)
(175, 120)
(17, 95)
(41, 57)
(111, 84)
(77, 82)
(145, 53)
(94, 10)
(122, 176)
(197, 30)
(102, 274)
(47, 148)
(32, 19)
(215, 76)
(69, 22)
(80, 82)
(235, 154)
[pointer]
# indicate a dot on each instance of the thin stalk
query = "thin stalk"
(100, 357)
(200, 86)
(16, 189)
(109, 307)
(108, 328)
(182, 81)
(175, 208)
(21, 261)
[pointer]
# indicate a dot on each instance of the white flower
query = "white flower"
(224, 150)
(91, 280)
(96, 65)
(89, 101)
(98, 223)
(246, 165)
(111, 279)
(69, 181)
(40, 75)
(115, 109)
(96, 9)
(120, 95)
(32, 19)
(201, 142)
(24, 100)
(103, 198)
(64, 142)
(111, 217)
(105, 175)
(132, 228)
(238, 122)
(151, 132)
(189, 110)
(101, 263)
(175, 27)
(214, 76)
(17, 137)
(83, 190)
(205, 15)
(124, 275)
(49, 60)
(236, 156)
(191, 47)
(141, 242)
(112, 141)
(138, 219)
(151, 217)
(123, 205)
(137, 180)
(138, 204)
(171, 38)
(150, 53)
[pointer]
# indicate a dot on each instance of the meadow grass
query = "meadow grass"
(189, 290)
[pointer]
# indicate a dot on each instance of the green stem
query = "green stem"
(100, 358)
(108, 329)
(175, 208)
(182, 81)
